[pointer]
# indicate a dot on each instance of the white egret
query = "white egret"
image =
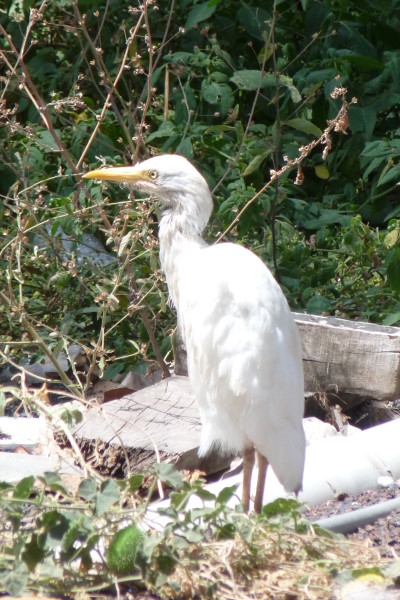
(243, 348)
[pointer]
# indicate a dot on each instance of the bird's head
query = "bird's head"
(179, 186)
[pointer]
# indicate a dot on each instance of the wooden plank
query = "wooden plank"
(350, 359)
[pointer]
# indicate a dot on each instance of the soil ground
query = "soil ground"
(383, 534)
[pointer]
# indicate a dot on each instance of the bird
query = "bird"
(244, 352)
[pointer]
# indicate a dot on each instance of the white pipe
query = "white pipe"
(351, 464)
(334, 464)
(338, 464)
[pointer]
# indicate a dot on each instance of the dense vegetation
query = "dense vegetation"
(236, 88)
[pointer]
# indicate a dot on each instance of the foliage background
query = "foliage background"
(233, 86)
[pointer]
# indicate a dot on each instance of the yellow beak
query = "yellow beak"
(122, 174)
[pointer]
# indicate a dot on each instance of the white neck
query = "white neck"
(179, 233)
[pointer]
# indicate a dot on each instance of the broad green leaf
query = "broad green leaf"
(392, 319)
(213, 92)
(254, 20)
(53, 481)
(226, 494)
(253, 79)
(305, 126)
(87, 489)
(179, 57)
(219, 77)
(280, 506)
(373, 165)
(393, 269)
(218, 94)
(54, 525)
(24, 487)
(318, 305)
(199, 13)
(185, 148)
(15, 581)
(113, 369)
(169, 474)
(33, 552)
(45, 139)
(364, 62)
(108, 495)
(166, 129)
(135, 481)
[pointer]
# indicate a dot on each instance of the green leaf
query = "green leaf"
(280, 506)
(219, 95)
(166, 129)
(255, 163)
(33, 553)
(15, 581)
(253, 79)
(318, 305)
(219, 129)
(213, 92)
(288, 83)
(113, 370)
(199, 13)
(23, 488)
(45, 139)
(185, 148)
(108, 495)
(226, 494)
(305, 126)
(87, 489)
(135, 482)
(53, 480)
(393, 269)
(169, 474)
(391, 174)
(55, 525)
(392, 319)
(254, 20)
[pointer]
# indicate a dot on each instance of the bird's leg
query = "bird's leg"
(262, 463)
(248, 464)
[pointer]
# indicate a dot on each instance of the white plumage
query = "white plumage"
(243, 347)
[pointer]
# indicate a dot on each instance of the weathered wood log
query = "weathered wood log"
(349, 361)
(352, 360)
(162, 419)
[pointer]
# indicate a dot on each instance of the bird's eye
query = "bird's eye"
(153, 174)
